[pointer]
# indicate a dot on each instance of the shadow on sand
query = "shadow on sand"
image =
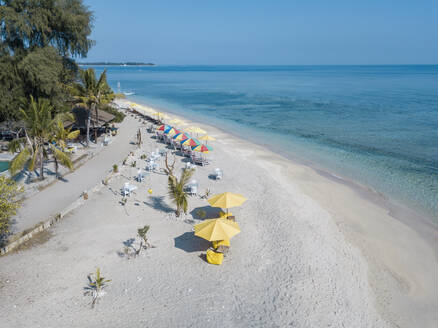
(189, 243)
(158, 203)
(210, 212)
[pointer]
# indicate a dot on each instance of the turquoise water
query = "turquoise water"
(4, 166)
(377, 125)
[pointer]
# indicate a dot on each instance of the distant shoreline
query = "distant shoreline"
(116, 64)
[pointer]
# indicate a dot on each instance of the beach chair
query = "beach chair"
(193, 190)
(221, 246)
(189, 166)
(197, 160)
(214, 257)
(128, 189)
(218, 174)
(140, 176)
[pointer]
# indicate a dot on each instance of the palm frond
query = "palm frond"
(62, 157)
(33, 159)
(73, 135)
(19, 161)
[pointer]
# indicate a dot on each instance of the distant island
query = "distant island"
(118, 64)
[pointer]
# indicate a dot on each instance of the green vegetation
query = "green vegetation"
(41, 127)
(95, 286)
(92, 94)
(115, 168)
(39, 39)
(119, 116)
(9, 191)
(142, 233)
(177, 190)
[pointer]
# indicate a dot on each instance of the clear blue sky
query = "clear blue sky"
(276, 32)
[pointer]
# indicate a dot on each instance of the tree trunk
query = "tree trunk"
(41, 165)
(88, 128)
(56, 167)
(97, 121)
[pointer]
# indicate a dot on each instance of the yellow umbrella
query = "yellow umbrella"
(207, 137)
(217, 229)
(196, 129)
(226, 200)
(175, 121)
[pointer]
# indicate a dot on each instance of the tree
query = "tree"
(9, 191)
(177, 190)
(60, 137)
(36, 146)
(92, 93)
(39, 38)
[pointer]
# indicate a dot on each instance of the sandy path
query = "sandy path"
(54, 199)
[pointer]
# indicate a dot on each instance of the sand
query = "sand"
(313, 252)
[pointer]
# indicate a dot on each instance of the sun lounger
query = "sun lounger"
(214, 257)
(128, 189)
(218, 174)
(140, 176)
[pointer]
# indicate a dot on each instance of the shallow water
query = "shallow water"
(377, 125)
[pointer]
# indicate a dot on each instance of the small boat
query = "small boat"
(128, 93)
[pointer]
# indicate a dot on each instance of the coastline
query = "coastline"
(312, 253)
(389, 235)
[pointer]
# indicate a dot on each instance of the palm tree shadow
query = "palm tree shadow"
(189, 243)
(210, 212)
(158, 203)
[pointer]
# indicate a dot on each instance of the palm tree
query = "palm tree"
(177, 190)
(60, 137)
(91, 93)
(34, 147)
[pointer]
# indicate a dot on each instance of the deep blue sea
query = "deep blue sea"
(377, 125)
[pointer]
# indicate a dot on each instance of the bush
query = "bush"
(115, 168)
(9, 192)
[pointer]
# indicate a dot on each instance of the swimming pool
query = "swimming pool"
(4, 166)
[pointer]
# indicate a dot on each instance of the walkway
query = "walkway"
(58, 196)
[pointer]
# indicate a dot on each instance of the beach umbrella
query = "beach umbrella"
(190, 142)
(206, 138)
(171, 131)
(226, 200)
(217, 229)
(181, 136)
(202, 148)
(163, 127)
(196, 129)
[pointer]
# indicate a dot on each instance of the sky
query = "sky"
(265, 32)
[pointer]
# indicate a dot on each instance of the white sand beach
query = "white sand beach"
(313, 252)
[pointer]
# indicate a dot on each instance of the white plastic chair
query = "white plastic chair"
(218, 174)
(128, 189)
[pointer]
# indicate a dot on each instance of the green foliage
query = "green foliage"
(142, 233)
(177, 190)
(38, 39)
(91, 93)
(41, 127)
(9, 191)
(115, 168)
(119, 116)
(96, 286)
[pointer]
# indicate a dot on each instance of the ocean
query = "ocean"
(377, 125)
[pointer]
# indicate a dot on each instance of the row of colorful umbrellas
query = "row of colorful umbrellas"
(185, 139)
